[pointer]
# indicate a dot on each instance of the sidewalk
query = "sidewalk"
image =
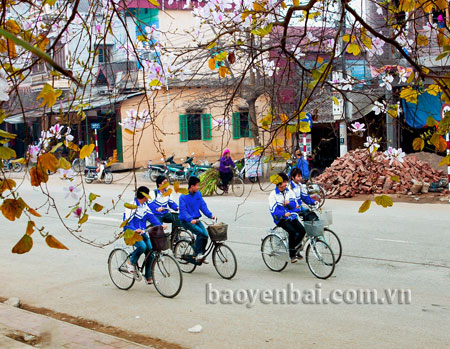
(52, 333)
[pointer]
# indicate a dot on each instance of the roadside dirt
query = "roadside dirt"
(99, 327)
(428, 198)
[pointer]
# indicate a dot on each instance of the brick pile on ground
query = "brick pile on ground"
(355, 173)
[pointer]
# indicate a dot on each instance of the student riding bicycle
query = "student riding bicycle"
(283, 208)
(137, 221)
(190, 206)
(301, 195)
(160, 204)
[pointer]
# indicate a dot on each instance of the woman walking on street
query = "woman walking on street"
(225, 169)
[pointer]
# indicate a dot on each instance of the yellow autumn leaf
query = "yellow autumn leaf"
(277, 142)
(285, 156)
(72, 146)
(183, 191)
(384, 200)
(422, 40)
(12, 208)
(258, 7)
(30, 228)
(43, 42)
(33, 212)
(418, 143)
(97, 207)
(154, 2)
(86, 150)
(211, 45)
(296, 2)
(212, 63)
(354, 49)
(409, 94)
(48, 95)
(7, 153)
(38, 176)
(130, 241)
(164, 186)
(410, 78)
(365, 206)
(83, 219)
(304, 127)
(441, 144)
(223, 71)
(167, 192)
(276, 179)
(434, 89)
(407, 5)
(221, 56)
(23, 245)
(124, 223)
(319, 60)
(47, 162)
(8, 184)
(395, 179)
(441, 4)
(130, 206)
(64, 164)
(176, 186)
(445, 160)
(54, 243)
(12, 26)
(335, 101)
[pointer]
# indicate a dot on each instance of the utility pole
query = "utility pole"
(343, 148)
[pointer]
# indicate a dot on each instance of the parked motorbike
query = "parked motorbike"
(160, 169)
(8, 165)
(102, 173)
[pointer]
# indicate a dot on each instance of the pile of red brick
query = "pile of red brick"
(356, 173)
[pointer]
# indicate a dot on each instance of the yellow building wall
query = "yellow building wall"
(161, 137)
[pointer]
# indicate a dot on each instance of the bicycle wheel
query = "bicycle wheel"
(237, 185)
(118, 269)
(108, 177)
(274, 253)
(333, 241)
(184, 234)
(218, 189)
(17, 166)
(88, 179)
(317, 192)
(166, 275)
(314, 173)
(224, 261)
(320, 259)
(182, 249)
(77, 166)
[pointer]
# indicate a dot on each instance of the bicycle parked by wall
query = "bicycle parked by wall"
(165, 271)
(223, 256)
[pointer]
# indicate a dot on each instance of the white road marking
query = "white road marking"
(105, 219)
(402, 241)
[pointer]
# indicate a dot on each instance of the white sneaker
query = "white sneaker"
(199, 257)
(130, 268)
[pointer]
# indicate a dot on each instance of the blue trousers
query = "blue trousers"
(202, 235)
(143, 246)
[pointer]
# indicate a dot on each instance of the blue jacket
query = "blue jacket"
(158, 200)
(139, 217)
(191, 205)
(277, 207)
(299, 196)
(303, 166)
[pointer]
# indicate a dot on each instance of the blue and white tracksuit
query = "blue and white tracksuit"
(291, 224)
(138, 219)
(300, 196)
(157, 200)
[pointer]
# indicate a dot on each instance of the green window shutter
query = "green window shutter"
(249, 126)
(206, 127)
(183, 128)
(236, 126)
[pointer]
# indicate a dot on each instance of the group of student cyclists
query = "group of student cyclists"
(155, 208)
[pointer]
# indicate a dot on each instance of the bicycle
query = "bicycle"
(166, 273)
(236, 183)
(275, 250)
(223, 257)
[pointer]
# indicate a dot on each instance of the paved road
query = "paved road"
(403, 247)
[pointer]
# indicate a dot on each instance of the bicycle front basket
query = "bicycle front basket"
(218, 231)
(314, 228)
(159, 239)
